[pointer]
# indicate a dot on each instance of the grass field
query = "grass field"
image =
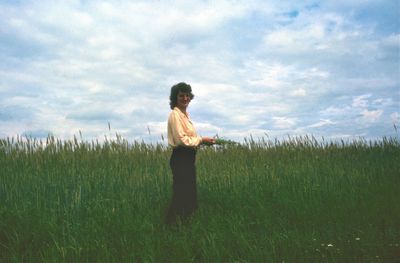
(295, 200)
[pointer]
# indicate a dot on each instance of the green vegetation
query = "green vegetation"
(298, 200)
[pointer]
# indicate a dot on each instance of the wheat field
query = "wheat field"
(292, 200)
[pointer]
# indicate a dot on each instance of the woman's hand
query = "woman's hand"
(207, 140)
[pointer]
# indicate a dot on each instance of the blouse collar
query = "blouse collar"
(180, 112)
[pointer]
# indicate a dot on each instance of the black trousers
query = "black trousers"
(184, 198)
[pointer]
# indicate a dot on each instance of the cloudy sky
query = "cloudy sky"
(265, 68)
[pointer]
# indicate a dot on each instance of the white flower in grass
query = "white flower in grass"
(329, 245)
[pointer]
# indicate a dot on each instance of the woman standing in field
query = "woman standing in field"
(183, 139)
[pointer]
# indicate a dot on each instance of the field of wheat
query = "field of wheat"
(293, 200)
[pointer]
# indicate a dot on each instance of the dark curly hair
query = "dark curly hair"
(182, 87)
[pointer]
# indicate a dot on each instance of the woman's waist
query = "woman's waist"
(184, 151)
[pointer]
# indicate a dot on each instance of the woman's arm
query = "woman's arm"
(207, 140)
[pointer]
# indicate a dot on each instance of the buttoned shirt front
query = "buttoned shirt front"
(181, 131)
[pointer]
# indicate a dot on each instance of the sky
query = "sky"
(269, 69)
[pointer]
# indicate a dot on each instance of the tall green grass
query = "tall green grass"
(293, 200)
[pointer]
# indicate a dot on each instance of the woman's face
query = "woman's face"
(183, 100)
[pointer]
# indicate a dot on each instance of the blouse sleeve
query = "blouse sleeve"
(179, 135)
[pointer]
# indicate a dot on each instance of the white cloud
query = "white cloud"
(382, 102)
(157, 128)
(361, 101)
(335, 111)
(300, 92)
(291, 38)
(269, 75)
(392, 40)
(323, 32)
(321, 123)
(371, 116)
(78, 64)
(395, 118)
(284, 122)
(207, 129)
(279, 78)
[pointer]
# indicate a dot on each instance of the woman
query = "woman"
(183, 139)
